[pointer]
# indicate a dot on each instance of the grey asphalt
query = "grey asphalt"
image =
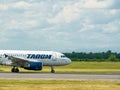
(50, 76)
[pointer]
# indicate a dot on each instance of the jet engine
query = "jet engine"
(33, 66)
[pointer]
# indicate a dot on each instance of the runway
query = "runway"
(50, 76)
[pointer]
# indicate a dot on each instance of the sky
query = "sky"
(60, 25)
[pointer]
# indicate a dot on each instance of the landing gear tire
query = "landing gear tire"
(52, 69)
(15, 69)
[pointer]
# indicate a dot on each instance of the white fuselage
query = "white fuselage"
(48, 58)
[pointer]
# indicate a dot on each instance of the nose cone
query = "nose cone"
(68, 61)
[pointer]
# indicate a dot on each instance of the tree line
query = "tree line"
(99, 56)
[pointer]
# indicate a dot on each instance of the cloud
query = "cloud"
(68, 14)
(112, 27)
(21, 4)
(97, 3)
(75, 11)
(3, 7)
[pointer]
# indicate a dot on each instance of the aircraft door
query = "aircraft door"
(54, 57)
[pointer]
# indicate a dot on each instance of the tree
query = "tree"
(112, 57)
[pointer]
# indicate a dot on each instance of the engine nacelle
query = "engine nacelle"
(33, 66)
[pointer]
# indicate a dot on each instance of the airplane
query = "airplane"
(32, 60)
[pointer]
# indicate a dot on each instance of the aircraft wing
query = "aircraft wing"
(18, 61)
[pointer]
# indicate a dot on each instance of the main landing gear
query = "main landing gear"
(15, 69)
(52, 69)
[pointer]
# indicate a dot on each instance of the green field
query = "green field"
(79, 67)
(58, 85)
(75, 67)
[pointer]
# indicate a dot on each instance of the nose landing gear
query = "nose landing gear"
(52, 69)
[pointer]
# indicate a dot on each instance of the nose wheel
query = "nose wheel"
(52, 69)
(15, 69)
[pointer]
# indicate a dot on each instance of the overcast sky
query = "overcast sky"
(60, 25)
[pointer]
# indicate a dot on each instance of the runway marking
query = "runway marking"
(50, 76)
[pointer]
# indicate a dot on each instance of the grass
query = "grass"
(75, 67)
(78, 68)
(58, 85)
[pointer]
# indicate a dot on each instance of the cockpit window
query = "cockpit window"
(63, 56)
